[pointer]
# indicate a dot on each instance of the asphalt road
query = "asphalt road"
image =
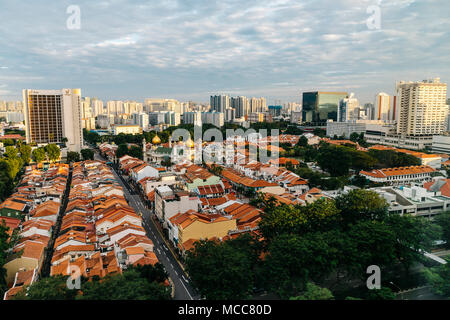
(183, 288)
(423, 293)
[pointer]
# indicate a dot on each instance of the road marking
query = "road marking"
(187, 291)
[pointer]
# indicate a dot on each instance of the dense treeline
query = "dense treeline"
(329, 242)
(136, 283)
(11, 163)
(6, 243)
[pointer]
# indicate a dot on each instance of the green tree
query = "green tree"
(87, 154)
(50, 288)
(122, 150)
(25, 153)
(413, 236)
(361, 204)
(91, 137)
(8, 142)
(439, 279)
(392, 158)
(443, 220)
(53, 152)
(136, 152)
(220, 271)
(39, 154)
(296, 219)
(14, 165)
(314, 292)
(383, 293)
(302, 142)
(166, 162)
(11, 152)
(152, 272)
(373, 243)
(335, 160)
(127, 286)
(294, 260)
(64, 140)
(354, 136)
(6, 182)
(319, 132)
(73, 156)
(362, 160)
(5, 245)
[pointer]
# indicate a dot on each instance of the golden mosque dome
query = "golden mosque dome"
(156, 140)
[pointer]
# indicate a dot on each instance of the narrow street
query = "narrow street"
(183, 288)
(55, 232)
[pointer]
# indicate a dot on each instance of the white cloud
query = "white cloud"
(179, 47)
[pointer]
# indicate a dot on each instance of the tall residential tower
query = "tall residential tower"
(421, 107)
(51, 115)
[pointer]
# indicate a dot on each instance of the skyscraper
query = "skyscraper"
(320, 106)
(241, 105)
(51, 115)
(258, 105)
(219, 103)
(421, 107)
(348, 109)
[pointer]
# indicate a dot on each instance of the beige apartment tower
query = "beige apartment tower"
(51, 115)
(421, 107)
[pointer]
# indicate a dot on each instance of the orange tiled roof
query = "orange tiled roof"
(382, 173)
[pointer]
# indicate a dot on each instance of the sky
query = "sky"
(191, 49)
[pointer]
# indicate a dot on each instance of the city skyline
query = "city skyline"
(188, 51)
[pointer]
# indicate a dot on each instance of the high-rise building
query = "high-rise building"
(348, 109)
(229, 114)
(51, 115)
(241, 105)
(319, 106)
(172, 118)
(151, 105)
(213, 117)
(219, 103)
(421, 107)
(85, 107)
(97, 107)
(258, 105)
(141, 119)
(115, 107)
(275, 111)
(382, 107)
(193, 117)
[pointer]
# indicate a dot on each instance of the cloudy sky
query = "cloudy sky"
(189, 49)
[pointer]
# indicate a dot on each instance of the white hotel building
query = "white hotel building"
(51, 115)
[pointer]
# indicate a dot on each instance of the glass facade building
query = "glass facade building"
(320, 106)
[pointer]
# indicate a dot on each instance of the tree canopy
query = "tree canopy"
(73, 156)
(223, 271)
(39, 154)
(53, 152)
(136, 283)
(87, 154)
